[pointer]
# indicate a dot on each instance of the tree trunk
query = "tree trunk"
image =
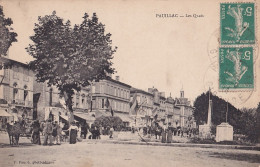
(69, 103)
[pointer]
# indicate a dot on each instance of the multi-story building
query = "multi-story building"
(111, 93)
(143, 114)
(186, 111)
(16, 87)
(46, 97)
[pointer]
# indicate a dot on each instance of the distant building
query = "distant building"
(111, 93)
(144, 101)
(186, 111)
(16, 88)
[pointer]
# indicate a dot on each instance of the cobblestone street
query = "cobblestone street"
(99, 153)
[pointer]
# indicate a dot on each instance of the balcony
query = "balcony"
(22, 103)
(18, 102)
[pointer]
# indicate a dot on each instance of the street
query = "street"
(98, 153)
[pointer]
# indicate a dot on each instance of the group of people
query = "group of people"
(97, 131)
(54, 133)
(50, 130)
(165, 132)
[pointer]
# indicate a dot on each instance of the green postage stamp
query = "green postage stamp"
(237, 23)
(236, 68)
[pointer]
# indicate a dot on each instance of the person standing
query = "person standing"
(36, 133)
(84, 130)
(111, 132)
(54, 132)
(48, 133)
(59, 131)
(169, 135)
(43, 124)
(73, 133)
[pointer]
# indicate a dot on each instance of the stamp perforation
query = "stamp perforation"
(254, 46)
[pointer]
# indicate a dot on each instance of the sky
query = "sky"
(168, 53)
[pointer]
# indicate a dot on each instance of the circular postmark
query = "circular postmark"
(210, 80)
(211, 77)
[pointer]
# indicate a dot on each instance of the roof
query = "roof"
(5, 60)
(135, 90)
(118, 82)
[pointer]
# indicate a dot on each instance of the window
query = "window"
(83, 99)
(15, 71)
(25, 95)
(15, 92)
(50, 102)
(26, 75)
(103, 103)
(93, 89)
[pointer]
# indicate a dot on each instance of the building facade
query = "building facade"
(143, 114)
(46, 97)
(111, 93)
(16, 88)
(185, 112)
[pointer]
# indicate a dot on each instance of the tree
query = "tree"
(109, 121)
(219, 110)
(70, 57)
(7, 36)
(258, 121)
(249, 123)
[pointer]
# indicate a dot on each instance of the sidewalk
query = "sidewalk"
(135, 139)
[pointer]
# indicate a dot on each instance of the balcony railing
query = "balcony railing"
(23, 103)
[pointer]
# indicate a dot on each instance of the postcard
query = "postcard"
(129, 83)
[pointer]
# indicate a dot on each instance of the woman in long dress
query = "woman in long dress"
(73, 133)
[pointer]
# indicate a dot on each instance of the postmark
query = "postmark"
(211, 77)
(237, 23)
(236, 68)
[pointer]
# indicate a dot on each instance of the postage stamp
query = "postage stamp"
(237, 23)
(236, 69)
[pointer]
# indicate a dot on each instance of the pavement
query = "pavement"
(136, 139)
(125, 149)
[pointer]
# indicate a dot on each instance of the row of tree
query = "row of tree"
(244, 121)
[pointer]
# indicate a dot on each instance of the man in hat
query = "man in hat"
(48, 133)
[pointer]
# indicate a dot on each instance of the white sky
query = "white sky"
(166, 53)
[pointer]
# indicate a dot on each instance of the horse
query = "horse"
(14, 132)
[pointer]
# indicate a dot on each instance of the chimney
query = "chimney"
(117, 78)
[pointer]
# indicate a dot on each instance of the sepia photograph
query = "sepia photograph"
(120, 83)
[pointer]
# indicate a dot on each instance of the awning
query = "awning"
(65, 117)
(3, 113)
(86, 116)
(125, 117)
